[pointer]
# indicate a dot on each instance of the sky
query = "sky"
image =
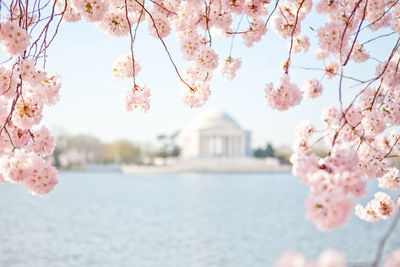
(90, 100)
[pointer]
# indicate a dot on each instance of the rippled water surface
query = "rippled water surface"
(111, 219)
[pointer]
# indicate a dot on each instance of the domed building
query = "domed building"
(213, 142)
(214, 134)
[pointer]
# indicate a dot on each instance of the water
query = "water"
(111, 219)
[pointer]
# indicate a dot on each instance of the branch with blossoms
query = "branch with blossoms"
(356, 134)
(25, 90)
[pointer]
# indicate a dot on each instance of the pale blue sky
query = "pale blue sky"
(91, 101)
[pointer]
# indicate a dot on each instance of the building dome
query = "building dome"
(211, 119)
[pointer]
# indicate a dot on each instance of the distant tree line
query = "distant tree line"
(81, 150)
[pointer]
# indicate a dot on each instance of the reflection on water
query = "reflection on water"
(110, 219)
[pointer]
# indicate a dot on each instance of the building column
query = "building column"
(213, 145)
(207, 146)
(229, 144)
(202, 146)
(243, 146)
(233, 144)
(238, 146)
(220, 146)
(226, 146)
(223, 146)
(210, 146)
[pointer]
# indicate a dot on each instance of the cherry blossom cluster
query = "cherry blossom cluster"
(137, 97)
(381, 207)
(13, 38)
(25, 92)
(123, 67)
(285, 96)
(312, 89)
(361, 145)
(358, 135)
(339, 179)
(335, 182)
(328, 258)
(229, 67)
(38, 176)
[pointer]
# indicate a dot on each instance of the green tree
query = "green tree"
(168, 147)
(268, 151)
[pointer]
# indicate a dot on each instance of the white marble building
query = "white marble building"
(214, 134)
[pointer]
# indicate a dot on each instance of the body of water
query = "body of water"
(112, 219)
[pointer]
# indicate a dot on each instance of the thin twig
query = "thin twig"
(384, 239)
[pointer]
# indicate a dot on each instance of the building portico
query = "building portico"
(214, 134)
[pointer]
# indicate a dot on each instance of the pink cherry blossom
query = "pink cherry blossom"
(396, 19)
(90, 10)
(2, 180)
(327, 206)
(330, 37)
(255, 32)
(114, 22)
(197, 95)
(70, 14)
(359, 54)
(13, 39)
(331, 258)
(137, 97)
(312, 89)
(390, 180)
(133, 5)
(292, 259)
(381, 207)
(206, 59)
(8, 82)
(190, 41)
(15, 167)
(123, 67)
(321, 54)
(42, 142)
(331, 70)
(328, 258)
(393, 260)
(229, 67)
(42, 177)
(28, 111)
(284, 97)
(301, 44)
(160, 27)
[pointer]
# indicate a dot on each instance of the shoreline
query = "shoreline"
(222, 165)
